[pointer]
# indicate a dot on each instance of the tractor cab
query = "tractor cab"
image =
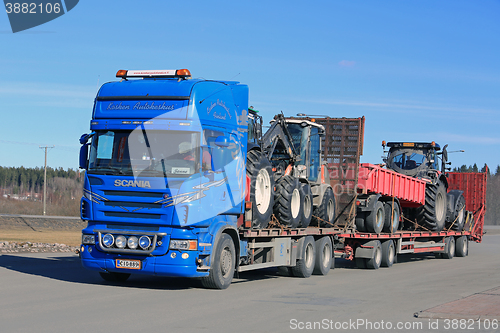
(414, 159)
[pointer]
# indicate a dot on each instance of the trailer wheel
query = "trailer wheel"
(374, 221)
(307, 205)
(222, 265)
(388, 253)
(114, 276)
(305, 266)
(458, 215)
(326, 210)
(260, 172)
(462, 246)
(432, 215)
(288, 201)
(376, 260)
(360, 221)
(449, 248)
(324, 256)
(391, 211)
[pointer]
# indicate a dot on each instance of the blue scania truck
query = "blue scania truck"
(174, 174)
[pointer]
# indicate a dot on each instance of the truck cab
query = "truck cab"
(165, 173)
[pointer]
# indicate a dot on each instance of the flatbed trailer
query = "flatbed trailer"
(284, 247)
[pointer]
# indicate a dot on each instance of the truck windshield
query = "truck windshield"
(145, 153)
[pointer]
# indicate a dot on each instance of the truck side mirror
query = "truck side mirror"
(84, 153)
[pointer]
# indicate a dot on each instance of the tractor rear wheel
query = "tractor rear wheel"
(260, 172)
(432, 215)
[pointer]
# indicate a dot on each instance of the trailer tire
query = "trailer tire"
(462, 246)
(307, 205)
(388, 253)
(432, 215)
(324, 214)
(360, 221)
(260, 172)
(449, 248)
(458, 217)
(114, 276)
(305, 266)
(288, 202)
(376, 260)
(391, 226)
(374, 220)
(324, 256)
(222, 265)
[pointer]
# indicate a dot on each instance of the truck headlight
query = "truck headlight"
(132, 242)
(180, 244)
(88, 239)
(121, 242)
(144, 242)
(108, 240)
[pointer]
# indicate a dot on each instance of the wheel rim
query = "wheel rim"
(330, 210)
(439, 206)
(309, 255)
(460, 218)
(226, 262)
(307, 206)
(378, 256)
(391, 253)
(380, 217)
(465, 244)
(262, 191)
(327, 253)
(452, 247)
(295, 203)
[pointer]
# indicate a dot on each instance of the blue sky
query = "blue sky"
(417, 70)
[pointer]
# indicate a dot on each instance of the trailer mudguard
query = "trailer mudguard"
(366, 250)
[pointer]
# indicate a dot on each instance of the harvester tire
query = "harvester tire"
(326, 210)
(288, 202)
(457, 218)
(432, 215)
(307, 205)
(260, 172)
(374, 220)
(391, 222)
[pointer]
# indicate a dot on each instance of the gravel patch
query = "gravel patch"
(22, 247)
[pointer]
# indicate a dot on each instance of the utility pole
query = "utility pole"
(45, 179)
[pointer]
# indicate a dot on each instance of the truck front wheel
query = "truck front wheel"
(222, 266)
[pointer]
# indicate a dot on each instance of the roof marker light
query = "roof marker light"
(121, 73)
(169, 73)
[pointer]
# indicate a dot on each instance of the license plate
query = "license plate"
(128, 264)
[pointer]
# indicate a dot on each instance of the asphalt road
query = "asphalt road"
(53, 293)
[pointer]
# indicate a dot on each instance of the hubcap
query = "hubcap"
(309, 255)
(225, 262)
(326, 255)
(380, 217)
(262, 191)
(330, 210)
(307, 206)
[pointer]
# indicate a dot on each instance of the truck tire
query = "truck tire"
(457, 218)
(222, 265)
(307, 205)
(432, 215)
(376, 260)
(391, 225)
(360, 221)
(305, 266)
(260, 172)
(462, 246)
(288, 203)
(388, 253)
(114, 276)
(324, 256)
(326, 210)
(449, 248)
(374, 220)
